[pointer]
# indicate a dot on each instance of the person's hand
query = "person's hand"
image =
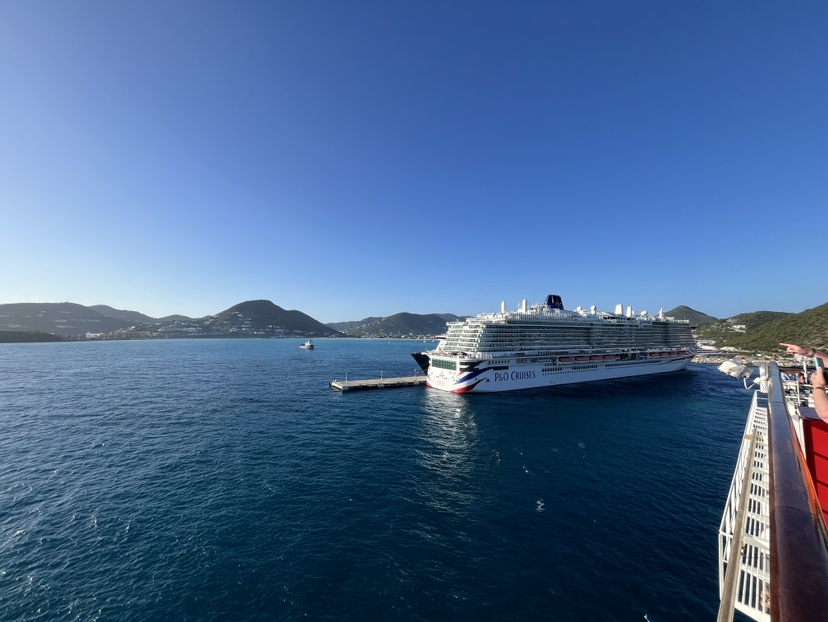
(818, 378)
(794, 349)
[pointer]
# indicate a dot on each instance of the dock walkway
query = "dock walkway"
(377, 383)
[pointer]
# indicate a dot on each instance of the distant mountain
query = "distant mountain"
(62, 318)
(127, 316)
(450, 317)
(175, 318)
(255, 318)
(757, 331)
(343, 326)
(697, 318)
(265, 317)
(404, 325)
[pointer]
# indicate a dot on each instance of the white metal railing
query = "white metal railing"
(744, 547)
(773, 541)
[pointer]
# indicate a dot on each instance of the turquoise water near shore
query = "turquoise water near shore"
(224, 480)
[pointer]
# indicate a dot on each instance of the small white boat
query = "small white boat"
(308, 345)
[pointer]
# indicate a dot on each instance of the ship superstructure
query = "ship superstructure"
(545, 344)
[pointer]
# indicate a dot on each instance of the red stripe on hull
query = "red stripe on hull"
(466, 389)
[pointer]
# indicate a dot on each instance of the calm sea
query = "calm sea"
(224, 480)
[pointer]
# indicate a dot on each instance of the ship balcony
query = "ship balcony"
(773, 542)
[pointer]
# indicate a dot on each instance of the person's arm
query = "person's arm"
(820, 397)
(811, 352)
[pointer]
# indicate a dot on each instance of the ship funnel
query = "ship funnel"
(553, 301)
(503, 307)
(619, 309)
(523, 306)
(630, 312)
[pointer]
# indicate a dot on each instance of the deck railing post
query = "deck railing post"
(727, 606)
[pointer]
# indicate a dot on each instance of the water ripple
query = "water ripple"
(214, 480)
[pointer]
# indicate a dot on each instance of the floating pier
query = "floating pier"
(377, 383)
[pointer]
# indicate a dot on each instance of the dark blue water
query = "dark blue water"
(224, 480)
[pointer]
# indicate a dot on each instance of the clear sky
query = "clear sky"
(360, 158)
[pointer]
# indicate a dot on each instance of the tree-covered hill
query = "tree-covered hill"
(756, 331)
(61, 318)
(404, 325)
(263, 315)
(128, 316)
(345, 326)
(765, 330)
(756, 319)
(697, 318)
(809, 328)
(254, 318)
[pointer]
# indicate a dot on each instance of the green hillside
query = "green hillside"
(697, 318)
(403, 325)
(345, 326)
(60, 318)
(809, 328)
(765, 330)
(263, 315)
(756, 319)
(127, 316)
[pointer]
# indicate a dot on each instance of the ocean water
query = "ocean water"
(224, 480)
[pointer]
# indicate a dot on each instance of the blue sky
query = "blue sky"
(353, 158)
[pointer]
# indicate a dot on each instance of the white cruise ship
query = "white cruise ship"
(545, 345)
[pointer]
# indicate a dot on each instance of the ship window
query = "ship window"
(444, 364)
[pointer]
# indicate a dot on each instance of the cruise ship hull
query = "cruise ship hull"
(486, 378)
(545, 345)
